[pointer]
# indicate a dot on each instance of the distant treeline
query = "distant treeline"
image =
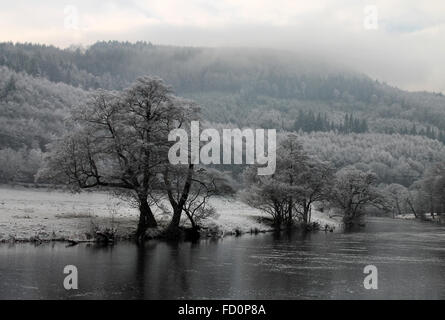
(429, 132)
(250, 78)
(309, 122)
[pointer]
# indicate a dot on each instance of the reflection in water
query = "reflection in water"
(409, 255)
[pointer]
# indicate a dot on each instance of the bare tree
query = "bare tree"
(207, 183)
(267, 195)
(314, 184)
(353, 191)
(189, 189)
(427, 195)
(177, 184)
(278, 194)
(120, 142)
(397, 197)
(298, 182)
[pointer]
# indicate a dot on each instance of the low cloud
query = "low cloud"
(406, 50)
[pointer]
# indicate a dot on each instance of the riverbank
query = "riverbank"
(436, 217)
(43, 214)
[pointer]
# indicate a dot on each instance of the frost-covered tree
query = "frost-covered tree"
(298, 182)
(277, 194)
(397, 196)
(314, 184)
(189, 190)
(427, 195)
(353, 192)
(119, 141)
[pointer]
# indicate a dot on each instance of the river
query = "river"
(409, 256)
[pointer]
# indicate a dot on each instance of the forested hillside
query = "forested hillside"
(393, 158)
(32, 113)
(234, 83)
(33, 109)
(243, 87)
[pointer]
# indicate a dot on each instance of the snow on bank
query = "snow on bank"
(47, 214)
(53, 214)
(407, 216)
(439, 217)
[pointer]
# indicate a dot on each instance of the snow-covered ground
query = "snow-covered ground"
(439, 217)
(407, 216)
(46, 214)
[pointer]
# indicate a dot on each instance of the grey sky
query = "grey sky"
(407, 49)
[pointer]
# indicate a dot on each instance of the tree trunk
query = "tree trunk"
(306, 211)
(278, 217)
(349, 216)
(173, 228)
(412, 209)
(399, 211)
(176, 218)
(289, 212)
(192, 221)
(146, 218)
(432, 206)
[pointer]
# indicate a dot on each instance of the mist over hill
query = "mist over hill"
(238, 86)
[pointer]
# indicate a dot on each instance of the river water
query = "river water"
(409, 256)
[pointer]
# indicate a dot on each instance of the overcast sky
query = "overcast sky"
(407, 49)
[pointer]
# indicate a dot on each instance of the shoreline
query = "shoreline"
(29, 214)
